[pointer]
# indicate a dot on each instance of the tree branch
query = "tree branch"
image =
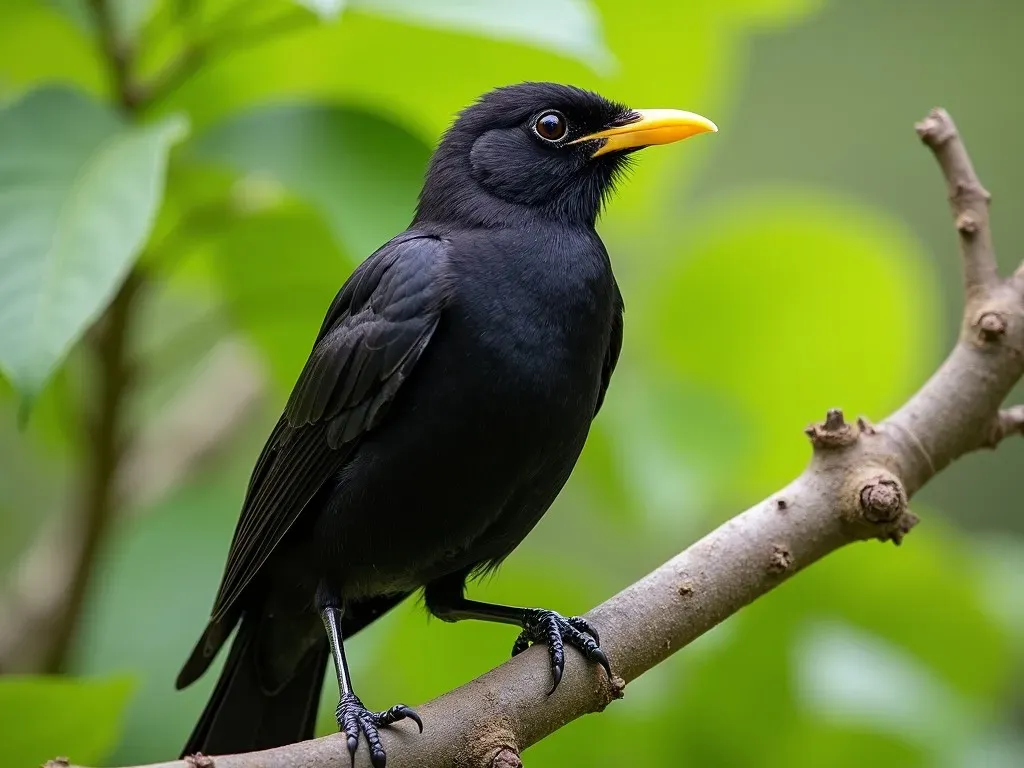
(102, 451)
(856, 487)
(968, 199)
(118, 55)
(1007, 422)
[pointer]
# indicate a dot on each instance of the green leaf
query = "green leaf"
(362, 171)
(79, 190)
(45, 717)
(325, 9)
(571, 27)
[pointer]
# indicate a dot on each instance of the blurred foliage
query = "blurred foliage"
(800, 260)
(83, 191)
(82, 716)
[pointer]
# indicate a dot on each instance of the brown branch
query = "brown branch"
(856, 487)
(104, 441)
(118, 55)
(34, 598)
(968, 199)
(1006, 423)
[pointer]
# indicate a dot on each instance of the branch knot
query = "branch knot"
(936, 129)
(781, 559)
(964, 191)
(883, 500)
(506, 758)
(832, 433)
(967, 223)
(991, 326)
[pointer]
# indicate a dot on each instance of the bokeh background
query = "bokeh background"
(800, 259)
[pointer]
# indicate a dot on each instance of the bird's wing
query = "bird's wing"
(374, 332)
(611, 356)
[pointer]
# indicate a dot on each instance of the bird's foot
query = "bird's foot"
(353, 717)
(542, 626)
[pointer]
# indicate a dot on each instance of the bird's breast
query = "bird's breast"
(534, 317)
(489, 425)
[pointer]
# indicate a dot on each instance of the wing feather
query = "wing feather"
(611, 357)
(373, 334)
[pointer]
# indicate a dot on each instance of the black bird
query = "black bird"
(444, 404)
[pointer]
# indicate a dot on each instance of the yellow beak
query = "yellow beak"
(654, 126)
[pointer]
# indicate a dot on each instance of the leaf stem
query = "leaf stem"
(219, 40)
(120, 56)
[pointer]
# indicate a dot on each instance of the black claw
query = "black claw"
(521, 644)
(377, 756)
(541, 626)
(353, 745)
(410, 713)
(353, 717)
(557, 661)
(556, 673)
(599, 656)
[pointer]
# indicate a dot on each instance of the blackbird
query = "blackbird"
(442, 408)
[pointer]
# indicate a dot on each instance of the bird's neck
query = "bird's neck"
(452, 196)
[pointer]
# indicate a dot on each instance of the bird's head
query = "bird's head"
(540, 149)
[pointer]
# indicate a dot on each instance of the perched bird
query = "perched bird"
(444, 404)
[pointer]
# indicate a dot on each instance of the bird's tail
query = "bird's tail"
(242, 716)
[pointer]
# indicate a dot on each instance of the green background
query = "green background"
(800, 259)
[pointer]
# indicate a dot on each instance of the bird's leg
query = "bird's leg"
(445, 600)
(352, 716)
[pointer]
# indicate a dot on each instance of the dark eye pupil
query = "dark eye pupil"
(551, 126)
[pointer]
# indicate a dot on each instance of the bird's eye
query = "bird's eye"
(551, 126)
